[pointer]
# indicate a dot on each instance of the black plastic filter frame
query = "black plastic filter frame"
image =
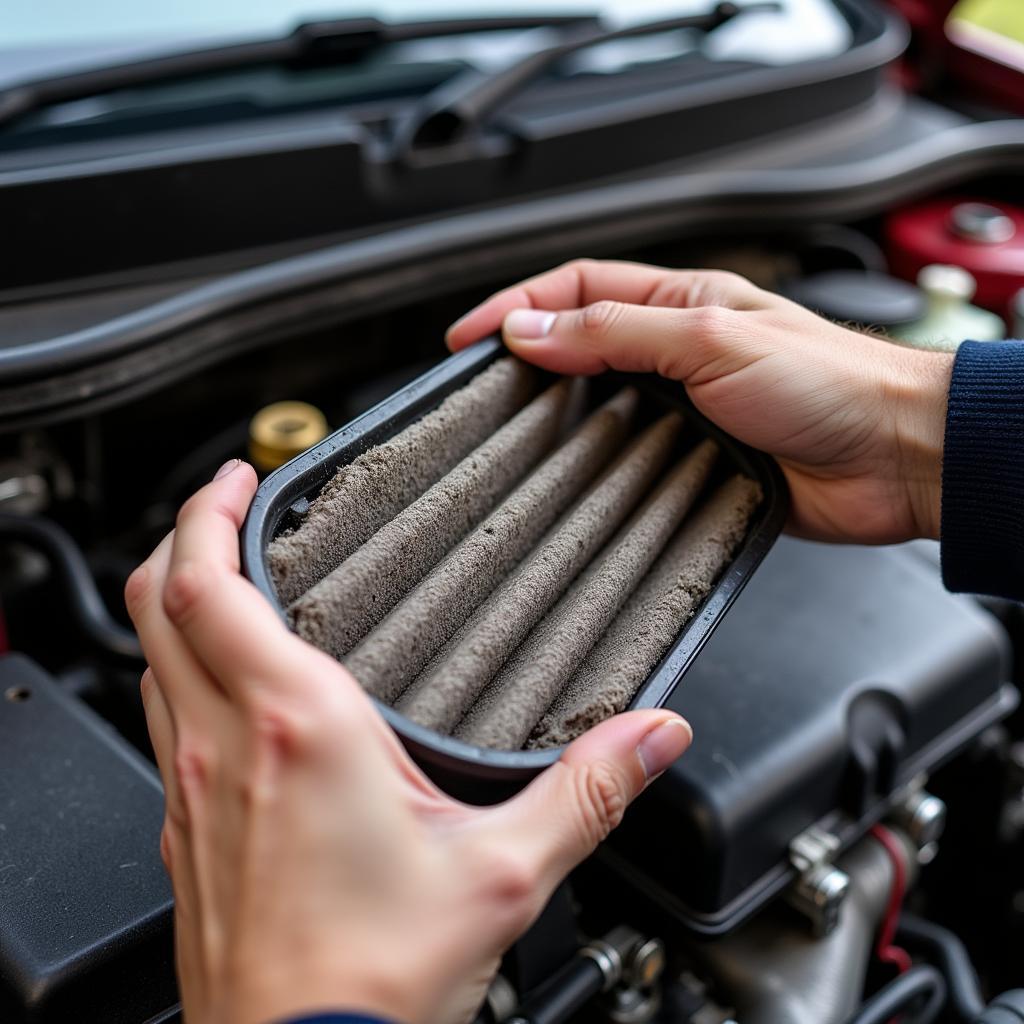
(466, 771)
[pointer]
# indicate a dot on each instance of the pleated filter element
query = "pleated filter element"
(509, 568)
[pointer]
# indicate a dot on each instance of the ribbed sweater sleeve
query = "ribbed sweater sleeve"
(336, 1018)
(983, 472)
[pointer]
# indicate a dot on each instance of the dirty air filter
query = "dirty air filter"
(504, 558)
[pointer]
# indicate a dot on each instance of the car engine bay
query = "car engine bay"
(843, 843)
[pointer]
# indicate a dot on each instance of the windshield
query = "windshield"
(48, 40)
(38, 36)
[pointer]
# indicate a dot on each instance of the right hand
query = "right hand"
(856, 422)
(314, 865)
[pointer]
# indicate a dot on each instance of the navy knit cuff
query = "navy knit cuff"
(983, 472)
(336, 1018)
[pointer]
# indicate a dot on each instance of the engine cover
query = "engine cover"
(840, 675)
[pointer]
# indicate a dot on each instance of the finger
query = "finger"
(688, 345)
(573, 284)
(237, 636)
(147, 578)
(584, 282)
(189, 692)
(228, 625)
(560, 818)
(208, 523)
(161, 732)
(232, 631)
(241, 642)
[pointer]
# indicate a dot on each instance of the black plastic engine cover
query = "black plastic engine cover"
(85, 904)
(841, 674)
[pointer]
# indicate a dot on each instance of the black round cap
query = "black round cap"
(859, 296)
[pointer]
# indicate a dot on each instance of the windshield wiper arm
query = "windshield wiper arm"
(464, 103)
(312, 44)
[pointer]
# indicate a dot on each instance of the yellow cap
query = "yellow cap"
(283, 430)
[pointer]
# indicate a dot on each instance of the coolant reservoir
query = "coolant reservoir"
(950, 318)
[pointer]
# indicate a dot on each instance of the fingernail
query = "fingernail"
(529, 324)
(228, 467)
(663, 744)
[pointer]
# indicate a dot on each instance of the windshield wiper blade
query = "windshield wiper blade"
(464, 104)
(312, 44)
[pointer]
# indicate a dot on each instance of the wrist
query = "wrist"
(921, 392)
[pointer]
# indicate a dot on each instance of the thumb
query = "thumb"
(559, 819)
(676, 343)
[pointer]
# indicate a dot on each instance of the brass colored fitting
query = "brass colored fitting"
(283, 430)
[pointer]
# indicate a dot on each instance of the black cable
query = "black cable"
(68, 561)
(951, 957)
(922, 981)
(198, 465)
(563, 994)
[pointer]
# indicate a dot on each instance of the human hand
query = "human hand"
(314, 867)
(856, 422)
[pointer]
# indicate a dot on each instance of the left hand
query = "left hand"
(856, 423)
(314, 866)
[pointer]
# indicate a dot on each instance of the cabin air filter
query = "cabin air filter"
(504, 558)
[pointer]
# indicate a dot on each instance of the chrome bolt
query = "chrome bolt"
(819, 895)
(645, 964)
(923, 818)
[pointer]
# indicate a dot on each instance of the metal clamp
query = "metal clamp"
(819, 891)
(923, 818)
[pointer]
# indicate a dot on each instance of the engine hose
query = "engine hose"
(67, 560)
(1005, 1009)
(564, 994)
(897, 997)
(951, 957)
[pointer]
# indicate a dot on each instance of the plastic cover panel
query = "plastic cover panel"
(85, 903)
(841, 674)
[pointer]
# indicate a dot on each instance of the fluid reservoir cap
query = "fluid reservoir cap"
(944, 281)
(280, 431)
(979, 222)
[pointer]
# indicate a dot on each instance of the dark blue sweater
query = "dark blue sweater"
(983, 472)
(982, 492)
(336, 1018)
